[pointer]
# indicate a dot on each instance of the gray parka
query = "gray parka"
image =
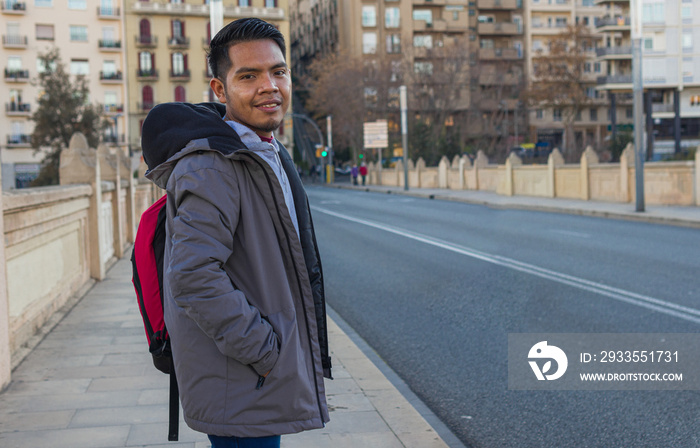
(243, 295)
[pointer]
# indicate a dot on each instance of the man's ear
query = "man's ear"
(219, 89)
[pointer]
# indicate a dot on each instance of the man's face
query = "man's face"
(258, 86)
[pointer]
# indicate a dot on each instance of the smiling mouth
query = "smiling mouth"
(268, 106)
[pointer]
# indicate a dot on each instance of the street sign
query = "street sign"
(376, 134)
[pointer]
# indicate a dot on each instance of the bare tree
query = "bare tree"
(335, 87)
(559, 79)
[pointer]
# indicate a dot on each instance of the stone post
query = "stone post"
(79, 166)
(481, 161)
(697, 176)
(5, 352)
(443, 167)
(587, 158)
(511, 161)
(111, 171)
(420, 167)
(411, 172)
(461, 164)
(627, 191)
(555, 160)
(398, 168)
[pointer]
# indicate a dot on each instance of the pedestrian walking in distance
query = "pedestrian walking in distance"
(243, 289)
(353, 172)
(363, 172)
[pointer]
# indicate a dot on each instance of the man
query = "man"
(244, 301)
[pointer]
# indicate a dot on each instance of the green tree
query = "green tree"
(63, 109)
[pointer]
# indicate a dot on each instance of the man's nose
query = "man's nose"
(268, 83)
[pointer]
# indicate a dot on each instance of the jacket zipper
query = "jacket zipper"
(306, 318)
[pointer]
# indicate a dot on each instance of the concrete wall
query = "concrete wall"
(665, 183)
(58, 240)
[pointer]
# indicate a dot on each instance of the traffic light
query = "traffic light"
(362, 156)
(324, 153)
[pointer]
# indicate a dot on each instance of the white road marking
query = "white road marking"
(330, 202)
(661, 306)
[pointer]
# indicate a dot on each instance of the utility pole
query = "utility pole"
(403, 103)
(329, 128)
(636, 21)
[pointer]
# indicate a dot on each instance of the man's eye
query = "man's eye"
(247, 77)
(281, 72)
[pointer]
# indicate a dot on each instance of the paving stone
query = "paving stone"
(348, 403)
(157, 433)
(29, 403)
(35, 421)
(101, 437)
(132, 415)
(356, 423)
(129, 383)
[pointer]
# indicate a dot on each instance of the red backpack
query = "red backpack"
(147, 269)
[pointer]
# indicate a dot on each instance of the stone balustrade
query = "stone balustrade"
(60, 240)
(665, 183)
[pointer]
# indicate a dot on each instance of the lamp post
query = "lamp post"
(216, 16)
(636, 22)
(403, 103)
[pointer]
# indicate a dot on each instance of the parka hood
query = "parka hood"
(172, 130)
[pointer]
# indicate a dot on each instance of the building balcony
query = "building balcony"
(605, 2)
(615, 82)
(500, 54)
(13, 7)
(499, 28)
(202, 10)
(108, 13)
(183, 75)
(662, 108)
(144, 107)
(9, 41)
(429, 2)
(612, 24)
(146, 41)
(497, 79)
(542, 29)
(456, 27)
(178, 42)
(552, 5)
(110, 45)
(147, 75)
(113, 109)
(16, 75)
(18, 109)
(111, 78)
(205, 42)
(497, 4)
(19, 140)
(614, 53)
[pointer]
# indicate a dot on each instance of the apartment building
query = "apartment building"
(89, 36)
(314, 32)
(545, 21)
(500, 75)
(167, 41)
(670, 69)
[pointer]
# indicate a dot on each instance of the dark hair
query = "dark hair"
(241, 30)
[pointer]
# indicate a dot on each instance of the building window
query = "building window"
(423, 68)
(370, 97)
(109, 69)
(687, 12)
(178, 29)
(556, 114)
(393, 96)
(687, 41)
(591, 92)
(392, 17)
(594, 114)
(180, 94)
(596, 67)
(369, 15)
(78, 33)
(44, 32)
(393, 43)
(77, 4)
(179, 63)
(648, 43)
(41, 67)
(145, 31)
(560, 22)
(423, 40)
(539, 114)
(369, 43)
(243, 3)
(587, 67)
(43, 3)
(111, 101)
(653, 12)
(79, 67)
(271, 3)
(629, 112)
(423, 14)
(145, 62)
(147, 97)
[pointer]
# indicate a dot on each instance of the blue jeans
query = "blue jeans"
(245, 442)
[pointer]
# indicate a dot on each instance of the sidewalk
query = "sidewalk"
(91, 384)
(673, 215)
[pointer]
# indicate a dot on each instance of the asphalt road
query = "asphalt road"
(435, 287)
